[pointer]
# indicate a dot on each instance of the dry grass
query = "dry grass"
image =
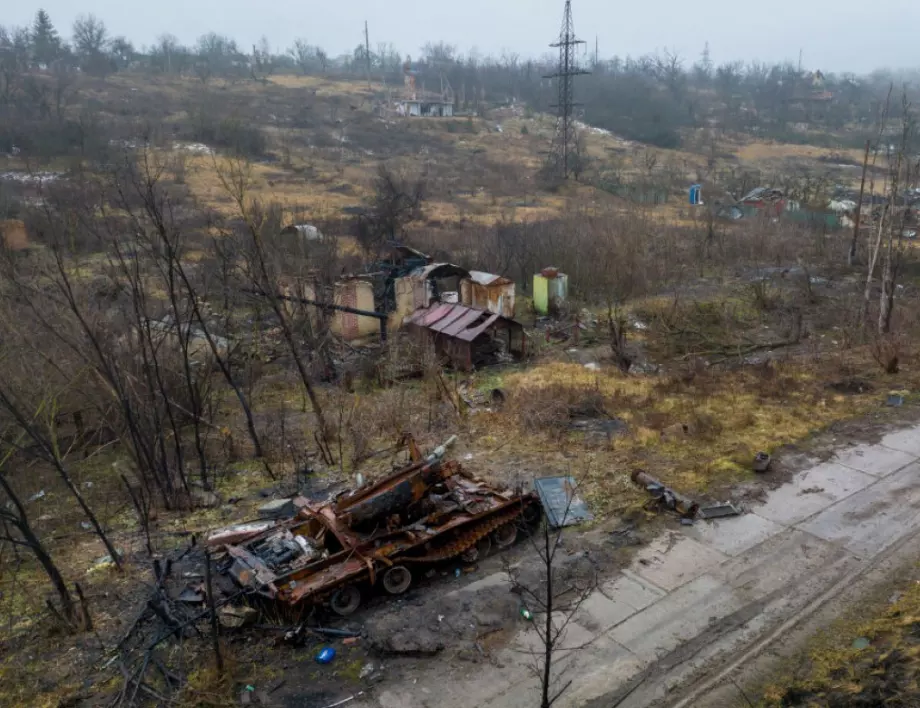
(730, 416)
(831, 671)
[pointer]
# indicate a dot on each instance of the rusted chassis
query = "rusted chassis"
(425, 513)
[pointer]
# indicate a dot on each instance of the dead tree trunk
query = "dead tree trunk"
(18, 519)
(851, 256)
(50, 452)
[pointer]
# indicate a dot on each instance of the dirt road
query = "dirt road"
(700, 603)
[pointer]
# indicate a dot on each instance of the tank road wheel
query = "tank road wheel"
(505, 535)
(346, 600)
(477, 551)
(532, 514)
(396, 580)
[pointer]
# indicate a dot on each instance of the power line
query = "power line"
(564, 140)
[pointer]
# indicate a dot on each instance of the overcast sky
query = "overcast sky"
(834, 35)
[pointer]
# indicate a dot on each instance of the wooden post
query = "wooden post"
(215, 626)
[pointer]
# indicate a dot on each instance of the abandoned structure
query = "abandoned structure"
(428, 108)
(550, 289)
(468, 337)
(488, 292)
(425, 104)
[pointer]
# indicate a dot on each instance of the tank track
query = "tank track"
(467, 539)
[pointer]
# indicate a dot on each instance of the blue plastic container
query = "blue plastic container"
(326, 654)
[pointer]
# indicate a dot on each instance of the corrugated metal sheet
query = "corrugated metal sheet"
(483, 278)
(455, 321)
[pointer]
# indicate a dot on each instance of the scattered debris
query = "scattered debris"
(367, 670)
(895, 400)
(861, 643)
(344, 700)
(332, 632)
(325, 655)
(686, 522)
(762, 462)
(850, 386)
(718, 511)
(561, 502)
(277, 509)
(664, 497)
(103, 563)
(811, 490)
(38, 495)
(237, 617)
(599, 427)
(30, 177)
(193, 595)
(238, 533)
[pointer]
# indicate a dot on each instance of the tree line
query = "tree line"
(650, 98)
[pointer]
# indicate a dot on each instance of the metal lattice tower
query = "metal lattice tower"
(564, 145)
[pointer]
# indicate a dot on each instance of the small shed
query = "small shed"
(550, 289)
(427, 108)
(469, 337)
(425, 285)
(358, 294)
(488, 292)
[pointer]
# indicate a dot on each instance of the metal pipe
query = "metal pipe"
(382, 316)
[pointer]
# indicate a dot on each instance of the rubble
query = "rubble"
(719, 511)
(277, 509)
(665, 497)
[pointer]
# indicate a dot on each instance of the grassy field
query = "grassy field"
(696, 408)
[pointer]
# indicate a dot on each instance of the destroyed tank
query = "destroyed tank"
(380, 535)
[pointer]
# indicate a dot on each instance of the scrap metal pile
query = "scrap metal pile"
(379, 535)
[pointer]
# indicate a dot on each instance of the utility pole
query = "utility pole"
(367, 53)
(564, 140)
(596, 52)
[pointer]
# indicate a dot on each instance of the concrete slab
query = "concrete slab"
(672, 560)
(631, 589)
(870, 520)
(602, 667)
(877, 460)
(907, 440)
(682, 615)
(489, 581)
(782, 562)
(812, 491)
(600, 612)
(735, 534)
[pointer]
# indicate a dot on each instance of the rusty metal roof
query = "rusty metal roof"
(457, 321)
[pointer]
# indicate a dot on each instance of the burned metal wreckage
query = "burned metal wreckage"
(376, 536)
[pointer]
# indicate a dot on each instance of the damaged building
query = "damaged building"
(469, 337)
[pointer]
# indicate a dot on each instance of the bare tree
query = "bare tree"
(235, 178)
(900, 177)
(553, 600)
(13, 513)
(397, 201)
(303, 54)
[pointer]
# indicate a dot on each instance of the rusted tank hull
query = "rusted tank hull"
(427, 513)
